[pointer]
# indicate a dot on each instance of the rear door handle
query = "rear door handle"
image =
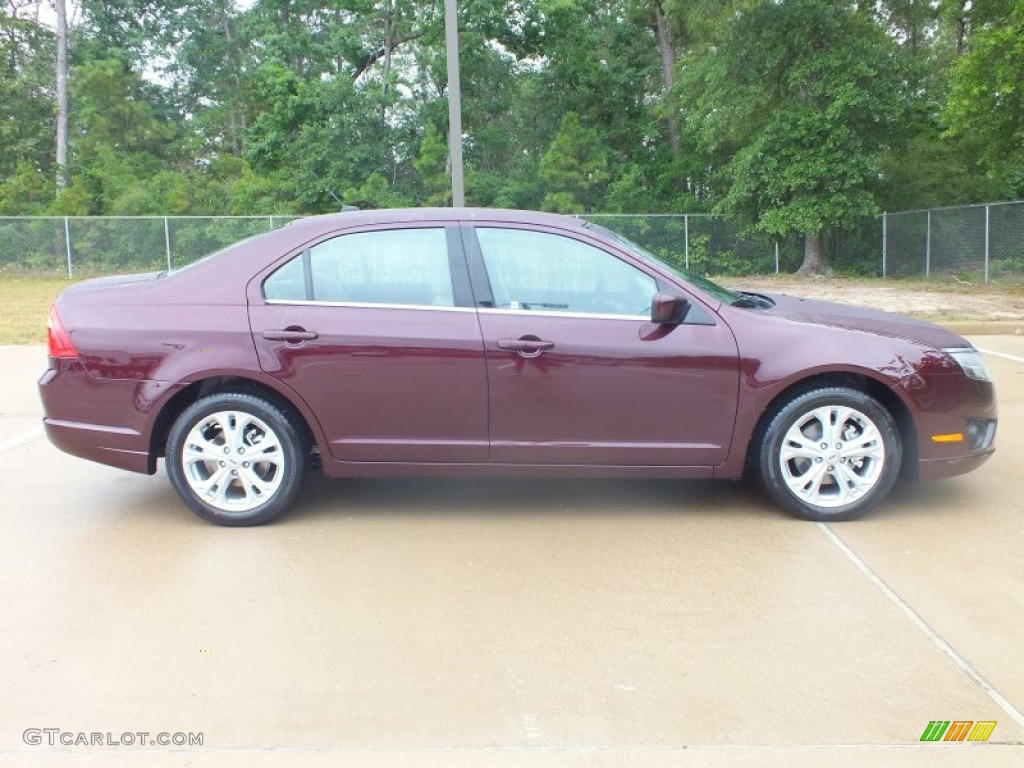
(526, 347)
(291, 335)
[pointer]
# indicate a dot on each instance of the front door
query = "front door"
(577, 372)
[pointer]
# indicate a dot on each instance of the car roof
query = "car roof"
(412, 215)
(241, 260)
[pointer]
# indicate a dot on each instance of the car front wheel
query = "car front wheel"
(235, 459)
(829, 454)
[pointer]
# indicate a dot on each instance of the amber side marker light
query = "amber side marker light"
(58, 343)
(955, 437)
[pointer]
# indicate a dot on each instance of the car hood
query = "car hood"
(852, 318)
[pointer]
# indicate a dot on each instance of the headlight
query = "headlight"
(971, 363)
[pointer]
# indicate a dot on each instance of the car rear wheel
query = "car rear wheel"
(829, 454)
(235, 459)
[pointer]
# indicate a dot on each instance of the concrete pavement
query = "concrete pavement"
(501, 623)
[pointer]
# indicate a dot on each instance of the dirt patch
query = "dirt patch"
(936, 300)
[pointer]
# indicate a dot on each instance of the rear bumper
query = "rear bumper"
(114, 446)
(102, 420)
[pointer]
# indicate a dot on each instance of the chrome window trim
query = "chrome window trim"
(481, 310)
(364, 305)
(576, 315)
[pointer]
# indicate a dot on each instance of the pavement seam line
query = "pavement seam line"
(1000, 354)
(1015, 714)
(22, 439)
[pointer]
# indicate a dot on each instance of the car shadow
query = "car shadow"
(322, 497)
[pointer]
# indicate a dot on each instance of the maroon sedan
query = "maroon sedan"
(463, 342)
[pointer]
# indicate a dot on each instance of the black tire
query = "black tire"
(245, 484)
(804, 471)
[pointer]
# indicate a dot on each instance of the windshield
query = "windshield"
(708, 286)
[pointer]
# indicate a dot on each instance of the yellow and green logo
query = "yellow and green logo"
(958, 730)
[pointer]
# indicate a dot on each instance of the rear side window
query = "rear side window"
(402, 266)
(288, 283)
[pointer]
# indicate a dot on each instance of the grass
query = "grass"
(24, 303)
(25, 299)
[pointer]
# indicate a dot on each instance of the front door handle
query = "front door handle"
(291, 335)
(526, 347)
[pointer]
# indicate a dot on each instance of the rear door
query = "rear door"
(577, 372)
(376, 331)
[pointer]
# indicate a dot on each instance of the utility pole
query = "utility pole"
(451, 38)
(62, 94)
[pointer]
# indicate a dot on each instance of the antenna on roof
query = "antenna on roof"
(331, 193)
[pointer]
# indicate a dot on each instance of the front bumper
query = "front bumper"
(956, 425)
(933, 469)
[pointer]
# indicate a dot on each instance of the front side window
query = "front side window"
(401, 266)
(545, 272)
(720, 293)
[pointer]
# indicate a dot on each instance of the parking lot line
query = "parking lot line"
(921, 624)
(20, 440)
(1015, 358)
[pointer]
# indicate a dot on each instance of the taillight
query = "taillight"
(58, 343)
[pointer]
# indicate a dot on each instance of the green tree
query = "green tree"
(26, 94)
(985, 108)
(26, 191)
(575, 167)
(119, 143)
(325, 90)
(431, 165)
(208, 68)
(793, 113)
(798, 115)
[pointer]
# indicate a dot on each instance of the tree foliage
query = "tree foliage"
(796, 115)
(27, 53)
(985, 108)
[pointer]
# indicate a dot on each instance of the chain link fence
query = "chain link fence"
(980, 242)
(82, 245)
(715, 245)
(703, 243)
(974, 242)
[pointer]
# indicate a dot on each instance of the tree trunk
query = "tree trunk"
(236, 119)
(960, 28)
(390, 30)
(668, 76)
(62, 94)
(814, 255)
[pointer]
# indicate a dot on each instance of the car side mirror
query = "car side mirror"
(667, 309)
